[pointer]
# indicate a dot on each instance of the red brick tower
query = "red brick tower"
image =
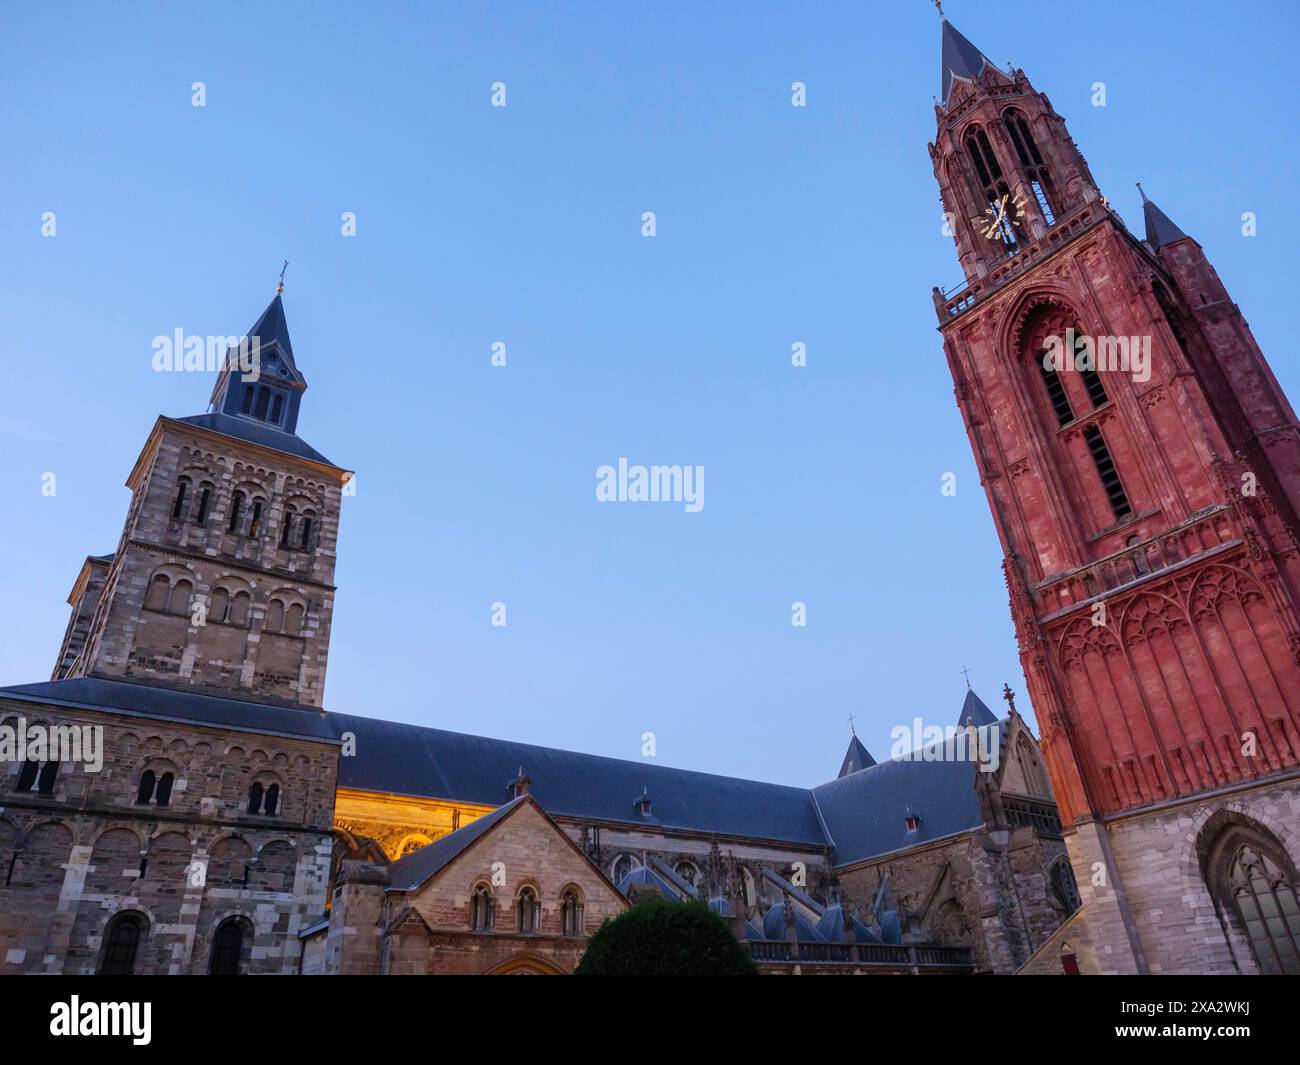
(1147, 495)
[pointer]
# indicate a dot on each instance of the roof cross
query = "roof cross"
(280, 287)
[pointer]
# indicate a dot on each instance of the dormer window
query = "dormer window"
(642, 803)
(913, 821)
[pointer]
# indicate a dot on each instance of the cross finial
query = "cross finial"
(939, 6)
(966, 673)
(280, 287)
(1009, 696)
(851, 727)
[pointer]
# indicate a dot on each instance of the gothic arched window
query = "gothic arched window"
(997, 223)
(121, 944)
(621, 866)
(263, 398)
(1252, 878)
(1036, 172)
(482, 913)
(277, 407)
(1063, 884)
(1031, 770)
(1110, 481)
(246, 406)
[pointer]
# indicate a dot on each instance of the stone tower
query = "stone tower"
(223, 578)
(1143, 470)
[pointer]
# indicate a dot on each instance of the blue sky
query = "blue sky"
(522, 225)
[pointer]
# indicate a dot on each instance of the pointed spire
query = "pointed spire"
(974, 712)
(857, 757)
(271, 328)
(1160, 229)
(960, 59)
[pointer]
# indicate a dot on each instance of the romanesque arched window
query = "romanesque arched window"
(219, 604)
(121, 944)
(274, 616)
(271, 803)
(482, 911)
(155, 787)
(239, 604)
(255, 798)
(293, 619)
(236, 511)
(1254, 883)
(255, 516)
(263, 399)
(571, 912)
(182, 493)
(159, 589)
(178, 601)
(277, 407)
(227, 947)
(528, 911)
(308, 519)
(205, 502)
(286, 523)
(144, 793)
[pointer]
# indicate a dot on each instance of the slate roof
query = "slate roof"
(960, 59)
(256, 432)
(856, 757)
(172, 704)
(974, 712)
(272, 328)
(419, 761)
(1160, 229)
(866, 812)
(645, 877)
(408, 873)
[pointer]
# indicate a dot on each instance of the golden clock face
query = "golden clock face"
(998, 218)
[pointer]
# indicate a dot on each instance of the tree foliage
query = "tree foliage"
(659, 938)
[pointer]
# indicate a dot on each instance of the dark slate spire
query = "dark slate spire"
(272, 393)
(857, 757)
(974, 712)
(272, 329)
(1160, 230)
(960, 59)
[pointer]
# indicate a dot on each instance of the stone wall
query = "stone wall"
(1147, 903)
(72, 859)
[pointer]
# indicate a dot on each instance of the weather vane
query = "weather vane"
(280, 287)
(939, 6)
